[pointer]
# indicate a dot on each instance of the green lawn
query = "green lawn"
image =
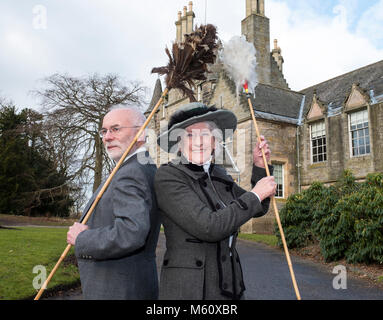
(268, 239)
(22, 249)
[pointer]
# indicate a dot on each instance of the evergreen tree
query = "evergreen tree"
(15, 174)
(30, 183)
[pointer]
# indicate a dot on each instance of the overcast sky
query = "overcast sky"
(319, 39)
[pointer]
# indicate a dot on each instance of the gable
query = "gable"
(315, 111)
(356, 98)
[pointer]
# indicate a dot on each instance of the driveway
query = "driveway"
(267, 277)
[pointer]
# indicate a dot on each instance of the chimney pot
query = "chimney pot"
(190, 6)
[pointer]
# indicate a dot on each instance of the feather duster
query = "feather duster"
(189, 59)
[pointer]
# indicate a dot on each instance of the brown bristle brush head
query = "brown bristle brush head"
(189, 59)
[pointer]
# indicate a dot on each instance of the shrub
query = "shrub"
(296, 216)
(324, 220)
(331, 218)
(346, 219)
(367, 244)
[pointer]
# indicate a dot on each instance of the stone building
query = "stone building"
(314, 134)
(342, 126)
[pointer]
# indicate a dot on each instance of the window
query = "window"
(278, 176)
(318, 142)
(359, 133)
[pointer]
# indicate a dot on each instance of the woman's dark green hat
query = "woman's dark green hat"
(190, 114)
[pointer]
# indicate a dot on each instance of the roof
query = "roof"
(271, 102)
(157, 93)
(277, 101)
(285, 105)
(334, 92)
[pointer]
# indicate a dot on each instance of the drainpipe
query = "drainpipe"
(298, 141)
(372, 97)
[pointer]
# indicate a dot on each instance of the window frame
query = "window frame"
(282, 165)
(323, 145)
(350, 137)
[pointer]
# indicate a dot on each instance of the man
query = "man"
(116, 249)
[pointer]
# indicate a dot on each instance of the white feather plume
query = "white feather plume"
(239, 60)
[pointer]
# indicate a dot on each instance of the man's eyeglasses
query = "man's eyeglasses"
(113, 130)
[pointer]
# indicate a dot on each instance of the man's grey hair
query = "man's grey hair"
(139, 118)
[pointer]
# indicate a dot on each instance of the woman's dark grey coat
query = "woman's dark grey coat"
(198, 263)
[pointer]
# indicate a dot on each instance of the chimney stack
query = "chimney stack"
(185, 22)
(256, 28)
(179, 27)
(255, 7)
(276, 53)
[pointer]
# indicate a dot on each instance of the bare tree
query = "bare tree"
(74, 110)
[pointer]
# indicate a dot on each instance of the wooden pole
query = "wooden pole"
(101, 192)
(274, 202)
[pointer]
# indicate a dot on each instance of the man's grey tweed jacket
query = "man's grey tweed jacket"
(116, 256)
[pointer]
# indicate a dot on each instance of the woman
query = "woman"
(202, 207)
